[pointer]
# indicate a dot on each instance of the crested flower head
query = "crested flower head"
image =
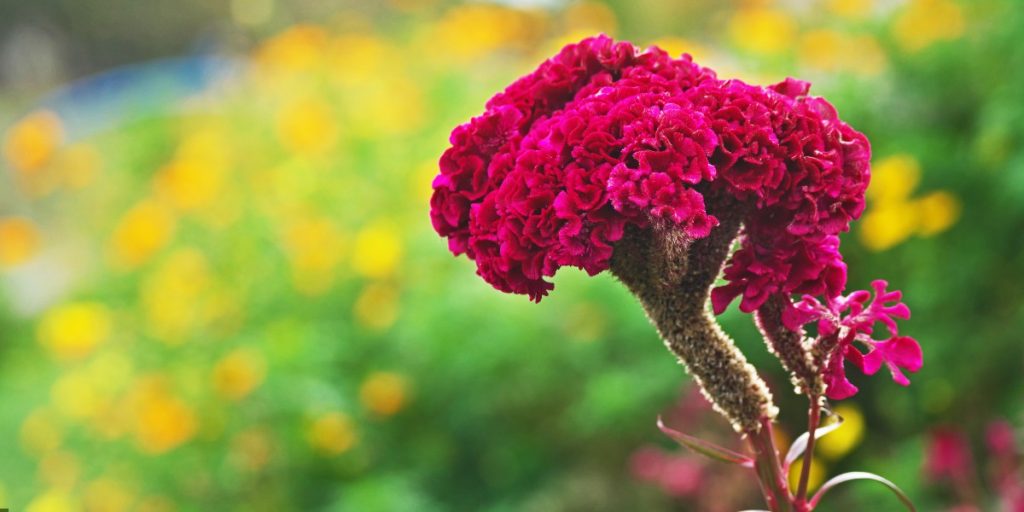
(604, 136)
(844, 321)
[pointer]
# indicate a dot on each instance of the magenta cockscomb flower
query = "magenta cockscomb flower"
(604, 136)
(844, 321)
(608, 157)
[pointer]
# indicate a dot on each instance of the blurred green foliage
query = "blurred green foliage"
(237, 302)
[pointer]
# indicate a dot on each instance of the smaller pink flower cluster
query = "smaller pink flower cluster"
(678, 475)
(949, 461)
(604, 136)
(844, 321)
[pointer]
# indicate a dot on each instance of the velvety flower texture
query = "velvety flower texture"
(844, 320)
(603, 136)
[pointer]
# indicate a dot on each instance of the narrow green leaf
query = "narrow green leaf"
(861, 475)
(799, 446)
(710, 450)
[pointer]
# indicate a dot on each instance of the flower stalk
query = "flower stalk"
(672, 276)
(813, 418)
(769, 471)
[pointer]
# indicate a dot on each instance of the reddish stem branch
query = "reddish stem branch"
(769, 470)
(813, 417)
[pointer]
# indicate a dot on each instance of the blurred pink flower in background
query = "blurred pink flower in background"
(949, 461)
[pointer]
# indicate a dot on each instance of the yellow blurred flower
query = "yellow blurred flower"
(384, 393)
(75, 396)
(852, 9)
(300, 48)
(195, 177)
(832, 51)
(93, 394)
(888, 224)
(19, 241)
(762, 31)
(845, 438)
(78, 164)
(676, 46)
(389, 106)
(377, 250)
(162, 421)
(314, 246)
(239, 373)
(332, 433)
(814, 479)
(590, 17)
(251, 449)
(361, 59)
(422, 181)
(59, 470)
(143, 231)
(52, 501)
(176, 296)
(894, 178)
(110, 371)
(106, 494)
(938, 211)
(925, 22)
(308, 126)
(41, 432)
(88, 392)
(30, 144)
(73, 331)
(471, 31)
(893, 216)
(377, 306)
(871, 58)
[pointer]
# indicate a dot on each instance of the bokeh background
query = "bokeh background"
(220, 290)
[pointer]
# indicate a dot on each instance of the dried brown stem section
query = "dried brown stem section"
(672, 277)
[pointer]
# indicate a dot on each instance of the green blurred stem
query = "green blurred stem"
(769, 470)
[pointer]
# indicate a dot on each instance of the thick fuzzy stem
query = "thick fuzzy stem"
(789, 346)
(672, 276)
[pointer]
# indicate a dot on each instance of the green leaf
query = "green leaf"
(861, 475)
(799, 446)
(705, 448)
